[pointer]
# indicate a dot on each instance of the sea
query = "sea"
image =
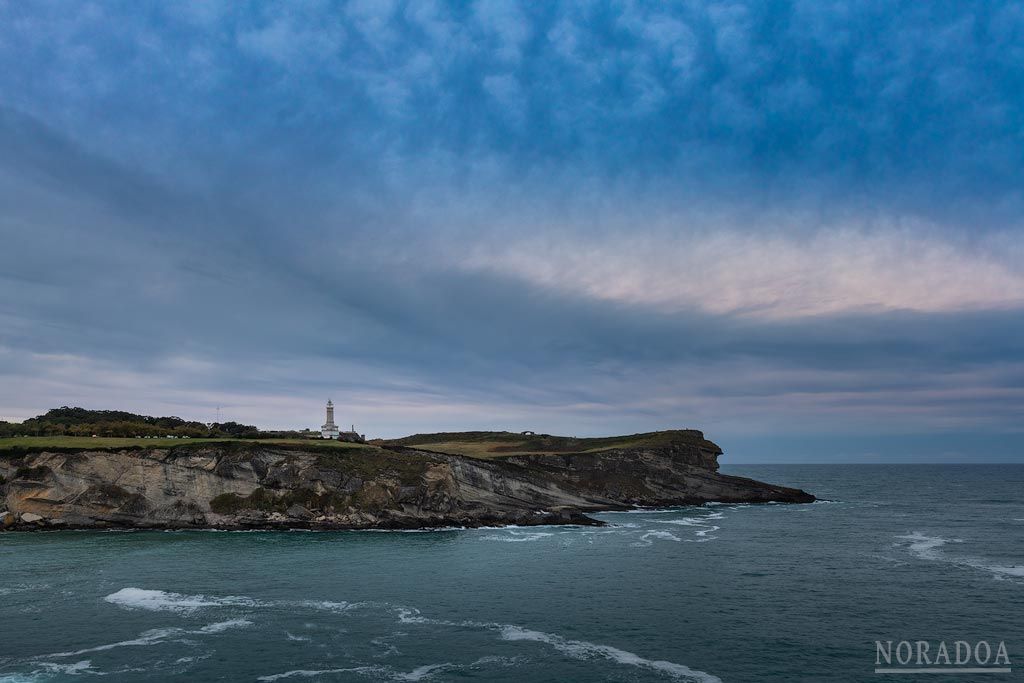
(931, 553)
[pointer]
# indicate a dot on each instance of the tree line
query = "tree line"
(65, 421)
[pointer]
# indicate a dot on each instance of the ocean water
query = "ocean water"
(702, 594)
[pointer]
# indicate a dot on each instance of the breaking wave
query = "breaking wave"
(140, 598)
(159, 635)
(513, 536)
(929, 548)
(310, 673)
(645, 538)
(581, 649)
(157, 600)
(420, 673)
(578, 649)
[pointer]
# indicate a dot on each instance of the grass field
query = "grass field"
(36, 443)
(473, 449)
(506, 449)
(483, 445)
(488, 445)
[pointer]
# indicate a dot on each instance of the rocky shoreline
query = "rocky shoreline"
(249, 485)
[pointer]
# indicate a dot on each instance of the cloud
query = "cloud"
(506, 23)
(914, 103)
(780, 274)
(508, 95)
(783, 217)
(290, 40)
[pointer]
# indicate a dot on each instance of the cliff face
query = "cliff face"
(251, 485)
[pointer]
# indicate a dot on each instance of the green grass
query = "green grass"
(484, 445)
(474, 449)
(35, 444)
(489, 445)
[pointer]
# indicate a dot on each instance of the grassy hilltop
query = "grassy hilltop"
(485, 445)
(77, 429)
(503, 444)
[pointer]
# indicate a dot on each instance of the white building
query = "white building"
(330, 430)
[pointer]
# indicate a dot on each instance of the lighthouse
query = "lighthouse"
(329, 430)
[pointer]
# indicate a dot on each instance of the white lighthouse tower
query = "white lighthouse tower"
(329, 430)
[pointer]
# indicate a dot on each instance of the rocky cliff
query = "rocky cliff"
(238, 485)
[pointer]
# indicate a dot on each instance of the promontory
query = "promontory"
(464, 479)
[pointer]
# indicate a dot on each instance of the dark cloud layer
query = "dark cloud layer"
(765, 219)
(864, 94)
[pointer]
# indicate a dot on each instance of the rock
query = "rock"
(299, 512)
(6, 520)
(375, 486)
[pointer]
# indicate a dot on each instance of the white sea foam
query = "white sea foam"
(150, 637)
(645, 539)
(578, 649)
(161, 600)
(411, 615)
(329, 605)
(222, 626)
(140, 598)
(1002, 571)
(701, 525)
(651, 511)
(684, 521)
(137, 598)
(300, 639)
(418, 674)
(422, 672)
(581, 649)
(928, 548)
(383, 644)
(158, 635)
(309, 673)
(157, 600)
(69, 669)
(518, 536)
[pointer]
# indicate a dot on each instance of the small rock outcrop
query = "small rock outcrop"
(242, 485)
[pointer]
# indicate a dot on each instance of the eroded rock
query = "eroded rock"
(266, 486)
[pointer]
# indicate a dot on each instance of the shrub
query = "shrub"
(226, 503)
(31, 472)
(231, 503)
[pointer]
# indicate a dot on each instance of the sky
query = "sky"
(797, 226)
